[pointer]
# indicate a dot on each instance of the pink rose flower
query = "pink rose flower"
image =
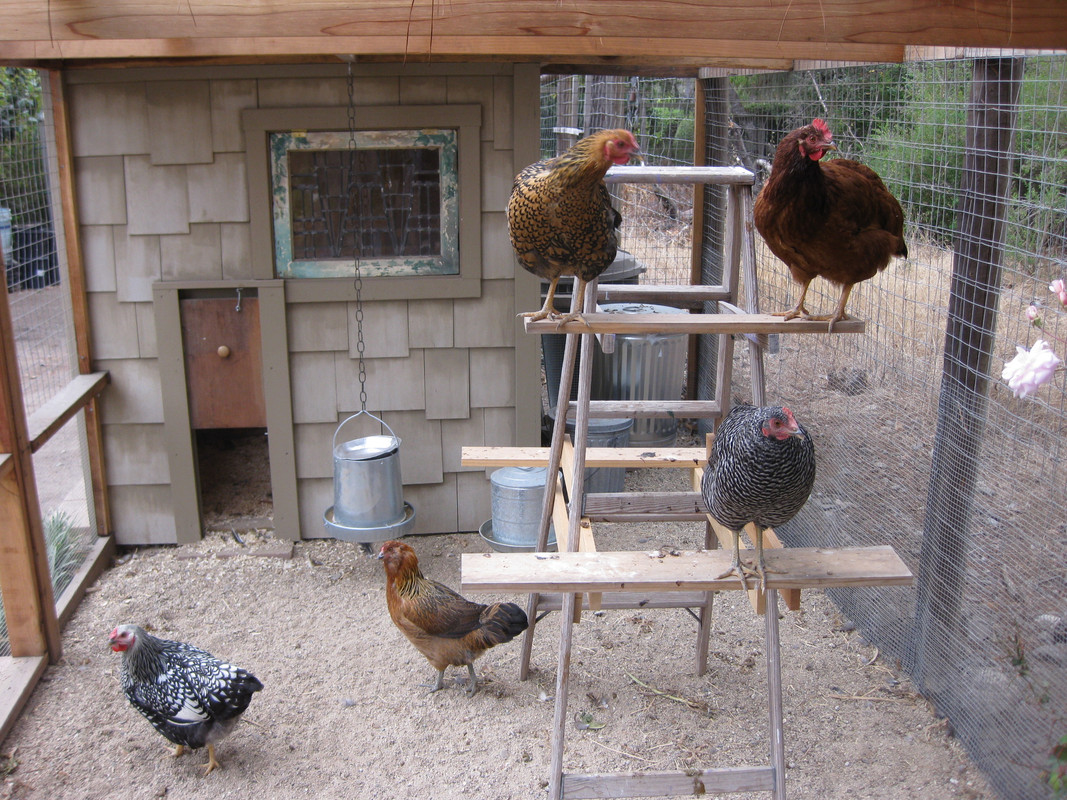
(1031, 312)
(1030, 368)
(1057, 288)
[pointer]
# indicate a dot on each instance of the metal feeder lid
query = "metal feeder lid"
(639, 308)
(519, 477)
(367, 448)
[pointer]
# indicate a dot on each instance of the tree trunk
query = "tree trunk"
(969, 338)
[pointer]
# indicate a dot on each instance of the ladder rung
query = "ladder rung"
(668, 324)
(666, 409)
(668, 504)
(660, 784)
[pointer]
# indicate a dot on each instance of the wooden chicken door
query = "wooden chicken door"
(220, 338)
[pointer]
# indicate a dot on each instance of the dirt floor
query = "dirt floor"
(343, 714)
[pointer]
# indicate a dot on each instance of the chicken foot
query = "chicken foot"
(800, 311)
(212, 762)
(548, 310)
(440, 683)
(738, 567)
(742, 570)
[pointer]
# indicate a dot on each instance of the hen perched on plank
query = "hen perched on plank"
(560, 216)
(445, 627)
(188, 695)
(761, 470)
(834, 218)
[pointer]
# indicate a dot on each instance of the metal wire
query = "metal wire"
(355, 259)
(998, 669)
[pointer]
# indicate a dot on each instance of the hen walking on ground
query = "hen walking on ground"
(831, 218)
(560, 216)
(445, 627)
(188, 695)
(761, 470)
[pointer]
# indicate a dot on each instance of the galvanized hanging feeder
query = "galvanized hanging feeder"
(368, 504)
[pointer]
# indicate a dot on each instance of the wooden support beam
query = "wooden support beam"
(625, 457)
(25, 580)
(669, 324)
(18, 676)
(604, 571)
(79, 304)
(61, 407)
(660, 784)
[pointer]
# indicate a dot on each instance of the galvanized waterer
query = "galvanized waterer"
(368, 504)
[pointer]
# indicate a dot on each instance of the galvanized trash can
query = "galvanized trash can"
(644, 366)
(607, 432)
(367, 488)
(515, 498)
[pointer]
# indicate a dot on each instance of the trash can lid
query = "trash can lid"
(519, 477)
(639, 308)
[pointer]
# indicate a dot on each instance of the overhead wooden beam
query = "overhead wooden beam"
(759, 34)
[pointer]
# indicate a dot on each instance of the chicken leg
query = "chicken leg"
(737, 566)
(798, 310)
(741, 569)
(548, 310)
(212, 762)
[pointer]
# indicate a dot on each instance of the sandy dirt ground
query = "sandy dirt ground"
(343, 714)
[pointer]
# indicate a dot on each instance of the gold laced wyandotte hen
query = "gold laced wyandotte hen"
(189, 696)
(831, 218)
(560, 216)
(761, 470)
(444, 626)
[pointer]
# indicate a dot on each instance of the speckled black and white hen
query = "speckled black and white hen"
(761, 470)
(188, 695)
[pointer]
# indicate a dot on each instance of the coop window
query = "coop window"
(391, 202)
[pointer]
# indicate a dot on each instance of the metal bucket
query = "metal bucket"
(515, 497)
(644, 366)
(367, 489)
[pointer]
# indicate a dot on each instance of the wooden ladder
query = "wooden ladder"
(579, 575)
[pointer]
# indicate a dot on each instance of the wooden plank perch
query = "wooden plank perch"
(668, 324)
(793, 567)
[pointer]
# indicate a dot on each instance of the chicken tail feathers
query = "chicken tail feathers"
(502, 622)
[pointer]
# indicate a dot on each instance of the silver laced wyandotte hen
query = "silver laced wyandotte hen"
(444, 626)
(560, 217)
(761, 470)
(834, 218)
(188, 695)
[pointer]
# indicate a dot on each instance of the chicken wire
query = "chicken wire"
(40, 305)
(984, 631)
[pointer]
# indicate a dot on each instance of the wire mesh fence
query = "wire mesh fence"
(41, 318)
(921, 444)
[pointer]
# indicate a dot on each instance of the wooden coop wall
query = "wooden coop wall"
(163, 194)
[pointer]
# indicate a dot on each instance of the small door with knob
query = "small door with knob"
(223, 367)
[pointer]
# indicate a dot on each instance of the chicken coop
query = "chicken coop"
(173, 293)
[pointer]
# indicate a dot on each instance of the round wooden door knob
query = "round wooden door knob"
(223, 351)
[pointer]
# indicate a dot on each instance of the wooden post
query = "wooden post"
(25, 581)
(64, 157)
(709, 261)
(969, 338)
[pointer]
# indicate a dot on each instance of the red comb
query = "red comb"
(820, 125)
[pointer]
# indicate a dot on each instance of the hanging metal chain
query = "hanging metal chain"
(356, 243)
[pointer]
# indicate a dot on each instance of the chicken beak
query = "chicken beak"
(829, 146)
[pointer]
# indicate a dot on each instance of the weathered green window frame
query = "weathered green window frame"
(464, 119)
(444, 262)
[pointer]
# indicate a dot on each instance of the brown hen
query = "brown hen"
(560, 216)
(835, 218)
(445, 627)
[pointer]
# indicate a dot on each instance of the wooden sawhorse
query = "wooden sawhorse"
(571, 573)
